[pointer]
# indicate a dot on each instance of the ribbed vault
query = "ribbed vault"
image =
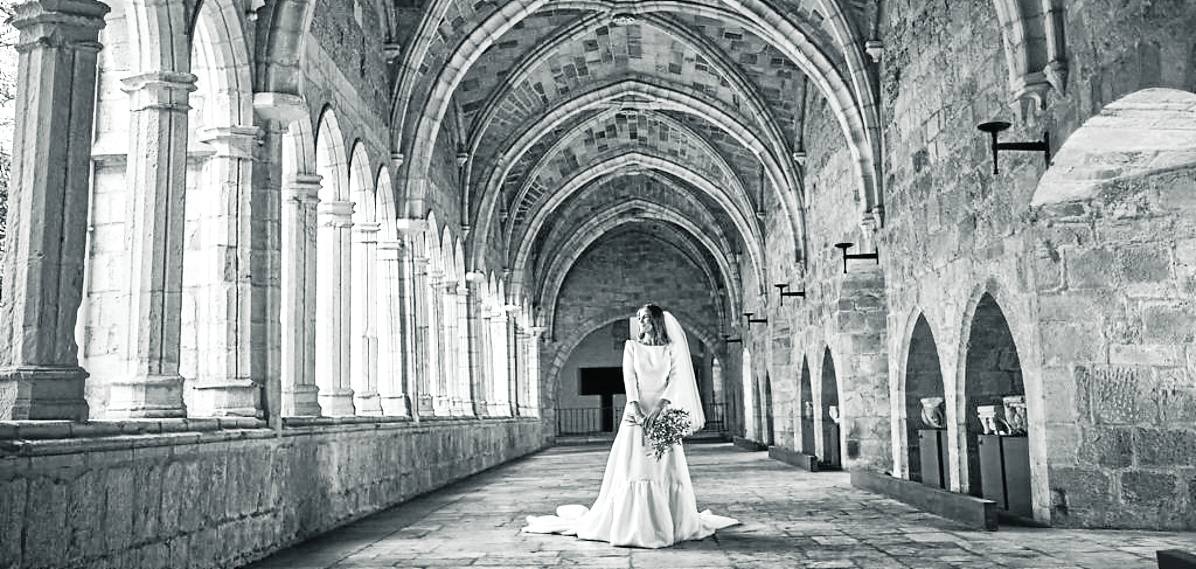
(574, 119)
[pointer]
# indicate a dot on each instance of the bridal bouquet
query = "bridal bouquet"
(667, 430)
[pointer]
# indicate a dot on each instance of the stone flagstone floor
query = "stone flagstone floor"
(791, 519)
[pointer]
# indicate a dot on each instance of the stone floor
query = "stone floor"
(791, 518)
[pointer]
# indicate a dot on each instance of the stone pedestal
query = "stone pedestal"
(299, 222)
(332, 328)
(40, 377)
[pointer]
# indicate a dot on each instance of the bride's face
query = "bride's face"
(645, 320)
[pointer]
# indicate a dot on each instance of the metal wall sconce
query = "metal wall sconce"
(751, 320)
(995, 128)
(727, 339)
(845, 246)
(784, 293)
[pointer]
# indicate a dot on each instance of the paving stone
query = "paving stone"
(790, 518)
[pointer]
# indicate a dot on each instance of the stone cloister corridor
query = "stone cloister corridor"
(318, 277)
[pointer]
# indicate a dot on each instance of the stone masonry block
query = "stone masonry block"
(1164, 448)
(1141, 488)
(1110, 394)
(1107, 447)
(1072, 343)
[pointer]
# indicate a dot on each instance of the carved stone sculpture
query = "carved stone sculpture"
(832, 411)
(1015, 414)
(932, 412)
(992, 420)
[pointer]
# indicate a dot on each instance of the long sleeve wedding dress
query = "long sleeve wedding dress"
(643, 502)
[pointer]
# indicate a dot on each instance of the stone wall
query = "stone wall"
(221, 494)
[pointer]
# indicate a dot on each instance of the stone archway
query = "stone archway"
(806, 410)
(992, 371)
(832, 452)
(923, 378)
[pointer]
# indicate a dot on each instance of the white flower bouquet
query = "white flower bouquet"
(669, 427)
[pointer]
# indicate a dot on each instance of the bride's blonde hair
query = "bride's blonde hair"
(655, 333)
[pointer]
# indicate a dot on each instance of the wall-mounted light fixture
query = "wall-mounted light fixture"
(995, 128)
(845, 246)
(727, 339)
(751, 320)
(781, 288)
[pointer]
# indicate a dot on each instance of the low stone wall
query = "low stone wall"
(227, 494)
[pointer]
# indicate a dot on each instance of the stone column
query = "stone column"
(533, 371)
(501, 404)
(391, 374)
(523, 341)
(439, 333)
(513, 367)
(225, 383)
(157, 172)
(422, 360)
(333, 296)
(300, 396)
(462, 372)
(40, 376)
(364, 361)
(475, 319)
(276, 112)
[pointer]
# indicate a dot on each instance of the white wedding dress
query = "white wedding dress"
(643, 502)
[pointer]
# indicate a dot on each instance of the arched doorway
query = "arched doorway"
(749, 399)
(925, 432)
(832, 455)
(768, 435)
(806, 410)
(997, 452)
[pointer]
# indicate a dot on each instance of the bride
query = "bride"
(645, 502)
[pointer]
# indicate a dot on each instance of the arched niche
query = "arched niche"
(768, 436)
(923, 379)
(832, 454)
(992, 371)
(806, 411)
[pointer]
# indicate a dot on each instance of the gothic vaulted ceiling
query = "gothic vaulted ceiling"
(576, 118)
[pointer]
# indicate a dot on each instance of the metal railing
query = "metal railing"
(595, 420)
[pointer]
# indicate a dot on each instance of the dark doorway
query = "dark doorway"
(807, 410)
(605, 382)
(923, 379)
(832, 456)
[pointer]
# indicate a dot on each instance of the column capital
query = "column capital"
(231, 141)
(397, 159)
(304, 187)
(410, 226)
(366, 231)
(285, 108)
(43, 21)
(390, 245)
(337, 212)
(537, 331)
(162, 90)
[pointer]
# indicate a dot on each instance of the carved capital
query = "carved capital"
(231, 141)
(162, 90)
(282, 107)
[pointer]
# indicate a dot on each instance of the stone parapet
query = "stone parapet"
(147, 500)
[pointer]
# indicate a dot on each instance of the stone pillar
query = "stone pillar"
(364, 361)
(423, 364)
(462, 376)
(225, 383)
(439, 334)
(157, 171)
(533, 371)
(501, 404)
(392, 376)
(276, 112)
(40, 376)
(333, 305)
(300, 396)
(478, 351)
(522, 341)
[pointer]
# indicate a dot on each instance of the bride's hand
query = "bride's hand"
(656, 411)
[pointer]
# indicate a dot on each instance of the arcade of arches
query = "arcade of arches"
(328, 255)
